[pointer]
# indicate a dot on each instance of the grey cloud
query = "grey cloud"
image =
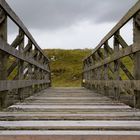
(57, 14)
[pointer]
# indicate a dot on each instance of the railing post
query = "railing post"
(137, 55)
(21, 65)
(106, 68)
(3, 56)
(116, 67)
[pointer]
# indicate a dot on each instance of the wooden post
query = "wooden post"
(116, 67)
(3, 56)
(3, 35)
(21, 65)
(30, 68)
(137, 56)
(106, 68)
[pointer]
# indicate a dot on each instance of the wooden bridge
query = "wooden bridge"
(105, 107)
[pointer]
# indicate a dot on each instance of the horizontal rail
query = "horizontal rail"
(16, 84)
(125, 84)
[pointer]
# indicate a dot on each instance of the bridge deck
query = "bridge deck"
(69, 111)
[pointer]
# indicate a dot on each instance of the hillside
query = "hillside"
(66, 66)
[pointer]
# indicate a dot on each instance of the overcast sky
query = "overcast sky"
(69, 24)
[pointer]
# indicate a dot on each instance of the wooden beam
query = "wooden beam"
(17, 41)
(124, 84)
(16, 84)
(123, 44)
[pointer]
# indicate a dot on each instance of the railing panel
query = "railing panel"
(24, 68)
(103, 68)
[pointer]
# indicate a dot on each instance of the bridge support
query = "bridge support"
(137, 55)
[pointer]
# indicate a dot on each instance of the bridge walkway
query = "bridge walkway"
(71, 112)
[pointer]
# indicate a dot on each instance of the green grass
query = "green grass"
(67, 66)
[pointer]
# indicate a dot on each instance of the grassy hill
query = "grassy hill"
(66, 66)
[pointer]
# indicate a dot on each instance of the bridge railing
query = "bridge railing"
(104, 67)
(24, 68)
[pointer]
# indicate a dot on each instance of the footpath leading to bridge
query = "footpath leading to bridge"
(69, 113)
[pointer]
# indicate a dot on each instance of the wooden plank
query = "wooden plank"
(49, 135)
(126, 84)
(70, 125)
(69, 116)
(17, 41)
(15, 84)
(66, 133)
(69, 107)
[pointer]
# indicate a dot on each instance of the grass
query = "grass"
(66, 66)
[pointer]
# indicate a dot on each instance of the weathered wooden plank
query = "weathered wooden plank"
(17, 41)
(126, 84)
(69, 107)
(70, 125)
(71, 135)
(15, 84)
(69, 116)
